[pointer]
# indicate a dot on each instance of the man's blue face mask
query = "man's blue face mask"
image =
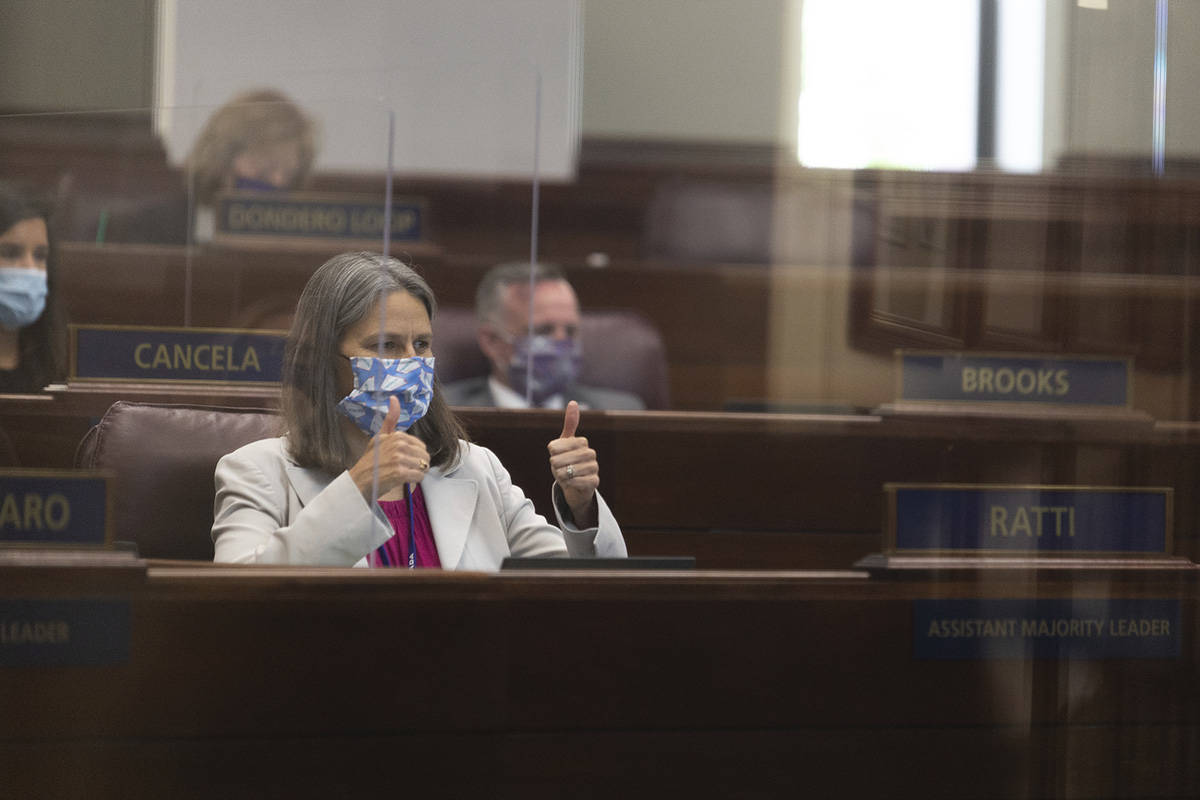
(409, 380)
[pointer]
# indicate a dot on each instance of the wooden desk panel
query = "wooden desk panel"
(620, 683)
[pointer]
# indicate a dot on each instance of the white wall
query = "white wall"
(684, 69)
(460, 76)
(72, 55)
(1105, 68)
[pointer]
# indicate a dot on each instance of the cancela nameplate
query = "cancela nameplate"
(175, 355)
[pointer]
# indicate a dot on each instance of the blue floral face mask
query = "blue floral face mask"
(409, 380)
(22, 296)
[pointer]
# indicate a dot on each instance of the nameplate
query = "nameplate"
(264, 215)
(175, 355)
(1046, 628)
(933, 519)
(54, 507)
(63, 633)
(1047, 380)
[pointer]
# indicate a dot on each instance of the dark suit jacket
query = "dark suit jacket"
(475, 392)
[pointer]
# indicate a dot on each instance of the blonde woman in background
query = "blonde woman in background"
(258, 141)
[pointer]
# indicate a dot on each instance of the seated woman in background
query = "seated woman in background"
(258, 141)
(32, 339)
(374, 469)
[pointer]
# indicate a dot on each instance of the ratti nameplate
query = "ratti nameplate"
(1021, 520)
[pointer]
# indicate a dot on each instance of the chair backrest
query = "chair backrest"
(711, 221)
(162, 458)
(621, 350)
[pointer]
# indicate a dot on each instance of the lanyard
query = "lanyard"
(412, 529)
(381, 555)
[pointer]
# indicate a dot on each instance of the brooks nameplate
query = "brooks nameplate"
(1046, 380)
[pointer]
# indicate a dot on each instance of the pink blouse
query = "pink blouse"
(394, 552)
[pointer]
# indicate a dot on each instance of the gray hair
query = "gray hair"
(511, 273)
(341, 293)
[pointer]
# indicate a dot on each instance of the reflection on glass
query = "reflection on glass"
(888, 84)
(753, 205)
(1015, 302)
(915, 253)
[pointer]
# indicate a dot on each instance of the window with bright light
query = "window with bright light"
(889, 84)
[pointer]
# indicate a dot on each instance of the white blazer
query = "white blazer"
(269, 510)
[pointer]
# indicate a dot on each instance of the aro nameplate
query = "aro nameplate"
(55, 508)
(1030, 521)
(1006, 378)
(223, 356)
(290, 216)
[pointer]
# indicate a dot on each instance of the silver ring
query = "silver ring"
(570, 471)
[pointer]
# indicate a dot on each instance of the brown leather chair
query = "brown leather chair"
(621, 350)
(162, 457)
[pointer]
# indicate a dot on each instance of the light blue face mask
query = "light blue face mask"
(22, 296)
(409, 380)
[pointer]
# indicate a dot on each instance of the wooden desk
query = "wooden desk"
(245, 682)
(750, 490)
(806, 491)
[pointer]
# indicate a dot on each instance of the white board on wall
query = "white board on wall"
(460, 76)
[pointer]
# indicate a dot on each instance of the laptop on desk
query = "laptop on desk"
(631, 563)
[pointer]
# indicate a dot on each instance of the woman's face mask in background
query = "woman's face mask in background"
(22, 296)
(24, 248)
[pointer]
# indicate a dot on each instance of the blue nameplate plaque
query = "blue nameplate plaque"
(54, 507)
(1050, 628)
(176, 355)
(299, 217)
(64, 633)
(933, 519)
(1047, 380)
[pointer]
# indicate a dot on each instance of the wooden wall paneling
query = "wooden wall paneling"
(1167, 255)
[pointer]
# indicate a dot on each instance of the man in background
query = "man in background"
(531, 371)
